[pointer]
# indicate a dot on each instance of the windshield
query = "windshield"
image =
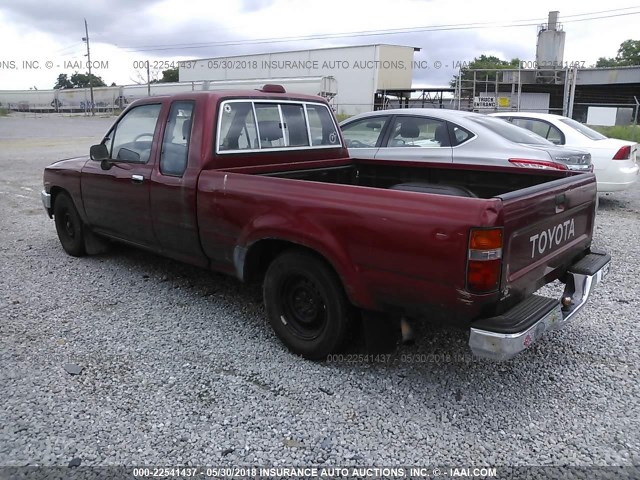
(509, 131)
(583, 129)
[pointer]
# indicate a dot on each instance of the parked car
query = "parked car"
(615, 162)
(454, 136)
(259, 185)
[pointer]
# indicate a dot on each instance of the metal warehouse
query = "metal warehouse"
(359, 76)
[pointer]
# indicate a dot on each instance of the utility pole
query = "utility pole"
(88, 55)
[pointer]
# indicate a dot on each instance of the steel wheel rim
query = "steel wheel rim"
(304, 307)
(68, 225)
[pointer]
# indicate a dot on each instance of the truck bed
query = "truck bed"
(400, 249)
(445, 179)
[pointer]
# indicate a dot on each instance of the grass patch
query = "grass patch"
(623, 132)
(342, 116)
(4, 112)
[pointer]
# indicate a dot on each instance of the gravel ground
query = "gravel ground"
(180, 366)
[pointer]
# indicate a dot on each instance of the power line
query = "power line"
(601, 11)
(61, 50)
(368, 33)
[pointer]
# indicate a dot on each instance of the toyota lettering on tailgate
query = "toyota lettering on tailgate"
(552, 237)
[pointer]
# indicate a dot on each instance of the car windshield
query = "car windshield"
(583, 129)
(509, 131)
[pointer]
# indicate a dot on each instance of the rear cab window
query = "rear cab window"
(248, 125)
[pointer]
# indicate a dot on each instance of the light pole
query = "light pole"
(88, 55)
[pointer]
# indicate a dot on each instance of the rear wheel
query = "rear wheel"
(306, 304)
(69, 225)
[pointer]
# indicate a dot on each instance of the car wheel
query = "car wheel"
(306, 304)
(69, 225)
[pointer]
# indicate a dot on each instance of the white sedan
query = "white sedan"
(615, 162)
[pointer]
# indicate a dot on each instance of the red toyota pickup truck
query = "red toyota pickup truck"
(258, 184)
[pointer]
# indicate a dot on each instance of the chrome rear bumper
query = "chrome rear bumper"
(503, 337)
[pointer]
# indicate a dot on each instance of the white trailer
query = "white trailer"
(28, 100)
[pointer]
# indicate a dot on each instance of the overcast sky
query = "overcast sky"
(123, 32)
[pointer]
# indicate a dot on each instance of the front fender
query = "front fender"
(64, 175)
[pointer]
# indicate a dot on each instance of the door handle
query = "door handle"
(137, 179)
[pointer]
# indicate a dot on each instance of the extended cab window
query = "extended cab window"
(260, 125)
(175, 145)
(133, 135)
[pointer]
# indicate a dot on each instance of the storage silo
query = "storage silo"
(550, 51)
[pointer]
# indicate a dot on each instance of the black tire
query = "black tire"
(69, 225)
(306, 304)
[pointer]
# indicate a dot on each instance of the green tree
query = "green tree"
(629, 52)
(78, 80)
(628, 55)
(169, 76)
(63, 82)
(483, 62)
(606, 62)
(81, 80)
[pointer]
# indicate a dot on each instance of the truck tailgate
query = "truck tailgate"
(547, 228)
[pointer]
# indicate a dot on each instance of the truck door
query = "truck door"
(417, 138)
(116, 200)
(173, 186)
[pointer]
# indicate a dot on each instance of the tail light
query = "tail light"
(543, 164)
(484, 261)
(623, 154)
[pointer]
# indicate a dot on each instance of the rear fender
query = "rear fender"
(302, 232)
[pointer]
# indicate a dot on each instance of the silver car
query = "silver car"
(438, 135)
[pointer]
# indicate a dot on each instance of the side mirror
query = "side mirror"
(99, 152)
(105, 164)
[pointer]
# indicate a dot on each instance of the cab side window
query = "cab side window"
(133, 135)
(177, 136)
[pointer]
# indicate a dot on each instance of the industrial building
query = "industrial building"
(362, 75)
(597, 96)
